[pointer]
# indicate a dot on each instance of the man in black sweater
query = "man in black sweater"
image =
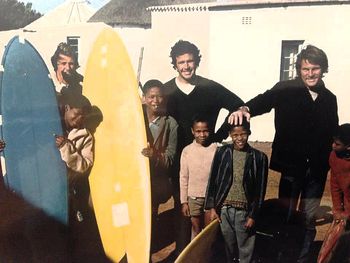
(305, 120)
(190, 95)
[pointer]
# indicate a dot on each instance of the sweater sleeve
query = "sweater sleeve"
(167, 158)
(263, 102)
(337, 195)
(184, 177)
(260, 185)
(211, 187)
(229, 101)
(336, 191)
(78, 154)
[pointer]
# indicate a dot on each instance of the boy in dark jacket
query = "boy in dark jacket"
(236, 192)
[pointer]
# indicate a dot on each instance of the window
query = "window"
(74, 43)
(290, 49)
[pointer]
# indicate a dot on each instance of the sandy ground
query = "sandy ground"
(323, 221)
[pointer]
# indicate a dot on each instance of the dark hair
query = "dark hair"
(343, 133)
(313, 55)
(74, 100)
(245, 124)
(182, 47)
(66, 50)
(151, 84)
(200, 118)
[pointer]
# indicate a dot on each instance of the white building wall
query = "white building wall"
(134, 39)
(167, 29)
(46, 39)
(250, 55)
(246, 58)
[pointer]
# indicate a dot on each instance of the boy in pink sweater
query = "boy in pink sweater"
(195, 164)
(339, 162)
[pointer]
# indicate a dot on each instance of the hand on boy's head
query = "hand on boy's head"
(2, 145)
(60, 141)
(236, 117)
(185, 209)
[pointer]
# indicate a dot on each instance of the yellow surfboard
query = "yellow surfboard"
(199, 249)
(119, 180)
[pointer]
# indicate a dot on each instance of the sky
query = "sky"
(43, 6)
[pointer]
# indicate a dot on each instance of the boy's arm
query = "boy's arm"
(183, 178)
(78, 158)
(167, 158)
(337, 198)
(260, 187)
(230, 102)
(209, 202)
(185, 209)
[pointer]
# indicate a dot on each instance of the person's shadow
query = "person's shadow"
(27, 234)
(277, 241)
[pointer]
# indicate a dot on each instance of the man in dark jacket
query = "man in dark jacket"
(305, 120)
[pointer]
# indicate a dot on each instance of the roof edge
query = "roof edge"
(215, 6)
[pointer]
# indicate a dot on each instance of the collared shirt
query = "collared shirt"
(154, 126)
(313, 94)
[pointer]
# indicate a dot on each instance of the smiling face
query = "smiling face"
(311, 74)
(65, 68)
(74, 117)
(239, 136)
(186, 67)
(154, 100)
(200, 131)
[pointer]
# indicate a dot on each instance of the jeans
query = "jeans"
(236, 235)
(308, 184)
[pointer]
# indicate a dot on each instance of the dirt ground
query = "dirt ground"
(324, 217)
(27, 234)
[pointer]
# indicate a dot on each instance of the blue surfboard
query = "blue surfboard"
(30, 118)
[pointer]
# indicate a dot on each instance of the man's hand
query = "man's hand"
(250, 223)
(185, 209)
(148, 152)
(236, 117)
(60, 141)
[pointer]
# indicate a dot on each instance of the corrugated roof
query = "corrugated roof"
(237, 4)
(138, 12)
(133, 12)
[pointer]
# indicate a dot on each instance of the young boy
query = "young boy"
(236, 192)
(162, 142)
(339, 162)
(76, 149)
(195, 163)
